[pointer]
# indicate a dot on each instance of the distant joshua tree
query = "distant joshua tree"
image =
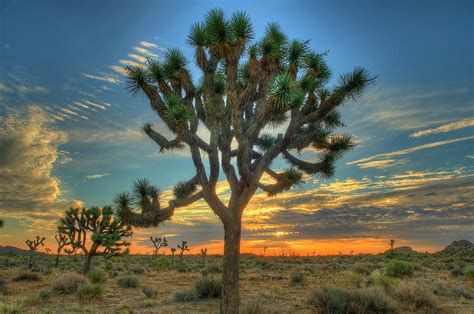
(391, 243)
(245, 89)
(33, 247)
(203, 256)
(182, 248)
(61, 239)
(97, 225)
(158, 243)
(173, 250)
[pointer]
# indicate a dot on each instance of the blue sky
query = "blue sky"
(59, 88)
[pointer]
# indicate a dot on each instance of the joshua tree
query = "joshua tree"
(61, 239)
(33, 247)
(391, 243)
(203, 256)
(182, 248)
(246, 89)
(104, 231)
(158, 243)
(173, 250)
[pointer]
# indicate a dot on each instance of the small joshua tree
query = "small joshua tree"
(33, 247)
(61, 239)
(173, 251)
(182, 248)
(97, 225)
(246, 88)
(158, 243)
(391, 243)
(203, 256)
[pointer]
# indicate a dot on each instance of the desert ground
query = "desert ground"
(397, 281)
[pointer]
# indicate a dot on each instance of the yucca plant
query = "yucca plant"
(158, 243)
(33, 247)
(247, 88)
(61, 239)
(183, 247)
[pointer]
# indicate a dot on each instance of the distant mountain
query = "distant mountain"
(459, 247)
(11, 249)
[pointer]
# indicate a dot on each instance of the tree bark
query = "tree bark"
(230, 276)
(57, 260)
(87, 264)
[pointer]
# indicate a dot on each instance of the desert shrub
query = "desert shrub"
(207, 287)
(435, 285)
(297, 278)
(12, 306)
(45, 295)
(354, 280)
(184, 296)
(328, 299)
(469, 272)
(362, 268)
(128, 282)
(457, 272)
(137, 269)
(97, 275)
(161, 263)
(414, 294)
(398, 268)
(380, 280)
(27, 276)
(370, 300)
(214, 269)
(149, 292)
(89, 292)
(3, 285)
(68, 283)
(460, 292)
(336, 300)
(182, 268)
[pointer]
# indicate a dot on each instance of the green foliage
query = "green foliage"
(354, 280)
(207, 287)
(68, 283)
(297, 278)
(3, 285)
(97, 275)
(128, 282)
(184, 296)
(183, 189)
(137, 269)
(90, 292)
(150, 292)
(176, 110)
(398, 268)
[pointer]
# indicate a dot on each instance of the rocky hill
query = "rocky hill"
(459, 247)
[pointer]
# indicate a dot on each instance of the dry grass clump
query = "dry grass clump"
(97, 275)
(90, 292)
(413, 294)
(68, 283)
(128, 282)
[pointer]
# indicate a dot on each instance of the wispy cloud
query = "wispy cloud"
(138, 57)
(148, 44)
(456, 125)
(408, 150)
(131, 63)
(119, 69)
(106, 78)
(97, 176)
(382, 164)
(145, 52)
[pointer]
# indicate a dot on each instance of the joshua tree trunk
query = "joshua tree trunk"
(57, 260)
(230, 275)
(87, 263)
